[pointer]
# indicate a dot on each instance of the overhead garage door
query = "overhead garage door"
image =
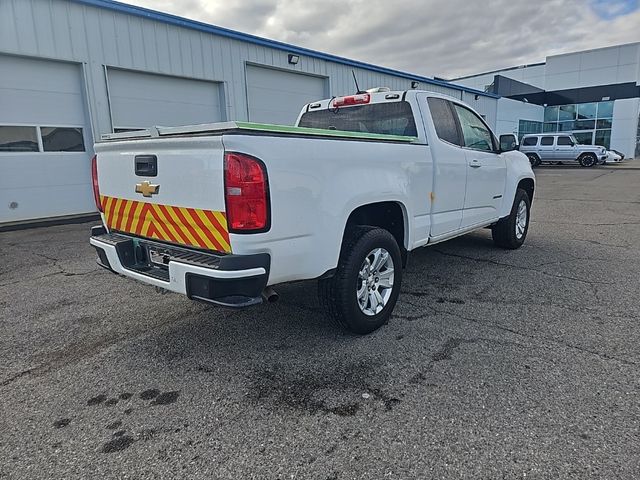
(140, 100)
(45, 140)
(276, 96)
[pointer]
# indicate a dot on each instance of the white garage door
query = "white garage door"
(276, 96)
(140, 100)
(45, 141)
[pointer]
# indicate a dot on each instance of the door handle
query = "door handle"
(475, 163)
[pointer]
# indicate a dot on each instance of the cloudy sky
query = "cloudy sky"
(446, 38)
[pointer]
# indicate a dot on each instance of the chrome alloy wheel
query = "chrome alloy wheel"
(521, 219)
(375, 281)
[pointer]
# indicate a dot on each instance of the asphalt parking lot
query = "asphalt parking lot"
(497, 364)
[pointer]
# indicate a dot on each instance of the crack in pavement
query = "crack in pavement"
(537, 339)
(55, 262)
(586, 200)
(516, 267)
(596, 242)
(586, 224)
(68, 356)
(52, 274)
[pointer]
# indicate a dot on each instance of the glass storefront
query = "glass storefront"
(589, 122)
(526, 127)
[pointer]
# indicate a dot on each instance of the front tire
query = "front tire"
(588, 160)
(365, 287)
(510, 232)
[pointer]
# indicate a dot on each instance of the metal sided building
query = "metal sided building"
(72, 70)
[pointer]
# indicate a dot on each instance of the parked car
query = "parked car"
(223, 212)
(613, 156)
(560, 147)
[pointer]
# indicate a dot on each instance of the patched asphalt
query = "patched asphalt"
(497, 364)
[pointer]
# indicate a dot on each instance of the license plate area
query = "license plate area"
(158, 257)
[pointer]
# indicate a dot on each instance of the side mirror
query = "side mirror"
(508, 142)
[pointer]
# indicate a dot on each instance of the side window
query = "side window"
(546, 141)
(530, 141)
(476, 135)
(444, 121)
(564, 141)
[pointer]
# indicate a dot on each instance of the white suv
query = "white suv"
(559, 147)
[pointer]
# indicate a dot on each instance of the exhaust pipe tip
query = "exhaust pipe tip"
(270, 295)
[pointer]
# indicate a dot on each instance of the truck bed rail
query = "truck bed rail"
(240, 127)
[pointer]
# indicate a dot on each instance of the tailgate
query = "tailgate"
(168, 189)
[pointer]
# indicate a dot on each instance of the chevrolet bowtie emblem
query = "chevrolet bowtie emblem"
(147, 189)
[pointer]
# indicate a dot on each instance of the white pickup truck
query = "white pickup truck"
(223, 212)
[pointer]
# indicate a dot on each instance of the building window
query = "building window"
(62, 139)
(567, 112)
(587, 111)
(603, 137)
(526, 127)
(584, 138)
(18, 139)
(550, 114)
(584, 125)
(605, 109)
(590, 122)
(29, 138)
(565, 126)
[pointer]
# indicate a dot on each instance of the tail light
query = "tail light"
(246, 193)
(359, 99)
(94, 183)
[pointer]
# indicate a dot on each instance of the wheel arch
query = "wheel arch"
(390, 215)
(529, 186)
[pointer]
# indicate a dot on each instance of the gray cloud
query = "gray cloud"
(430, 37)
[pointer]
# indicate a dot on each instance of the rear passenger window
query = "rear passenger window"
(530, 141)
(546, 141)
(444, 121)
(564, 141)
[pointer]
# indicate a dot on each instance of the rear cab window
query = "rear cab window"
(388, 118)
(546, 141)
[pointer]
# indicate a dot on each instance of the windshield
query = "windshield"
(392, 118)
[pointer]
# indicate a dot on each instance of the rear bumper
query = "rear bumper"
(226, 280)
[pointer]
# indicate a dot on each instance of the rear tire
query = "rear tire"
(534, 160)
(364, 289)
(588, 160)
(510, 232)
